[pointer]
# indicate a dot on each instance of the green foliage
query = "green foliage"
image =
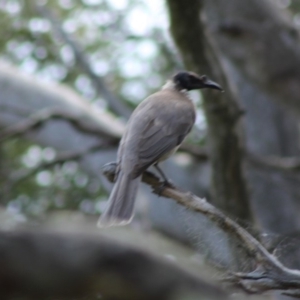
(34, 191)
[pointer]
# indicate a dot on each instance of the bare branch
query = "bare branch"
(37, 119)
(291, 164)
(288, 164)
(270, 274)
(114, 103)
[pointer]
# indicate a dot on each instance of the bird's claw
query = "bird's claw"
(164, 184)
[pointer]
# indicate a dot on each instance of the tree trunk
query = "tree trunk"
(228, 186)
(259, 50)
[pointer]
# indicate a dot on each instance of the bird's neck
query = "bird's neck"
(170, 85)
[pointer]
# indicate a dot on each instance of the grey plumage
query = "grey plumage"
(121, 202)
(155, 129)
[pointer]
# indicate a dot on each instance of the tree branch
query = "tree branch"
(37, 119)
(270, 273)
(290, 164)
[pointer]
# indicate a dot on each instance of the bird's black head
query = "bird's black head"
(191, 81)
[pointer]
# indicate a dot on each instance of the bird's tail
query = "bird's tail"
(121, 201)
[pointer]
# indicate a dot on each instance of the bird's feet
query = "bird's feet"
(164, 184)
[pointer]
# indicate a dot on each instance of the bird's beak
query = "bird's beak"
(212, 85)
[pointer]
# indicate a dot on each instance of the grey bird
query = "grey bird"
(154, 131)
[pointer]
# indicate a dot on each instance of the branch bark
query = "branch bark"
(269, 274)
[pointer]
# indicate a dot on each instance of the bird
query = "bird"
(154, 131)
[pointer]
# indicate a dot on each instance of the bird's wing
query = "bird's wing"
(156, 127)
(161, 137)
(162, 133)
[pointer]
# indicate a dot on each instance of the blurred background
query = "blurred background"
(71, 73)
(126, 42)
